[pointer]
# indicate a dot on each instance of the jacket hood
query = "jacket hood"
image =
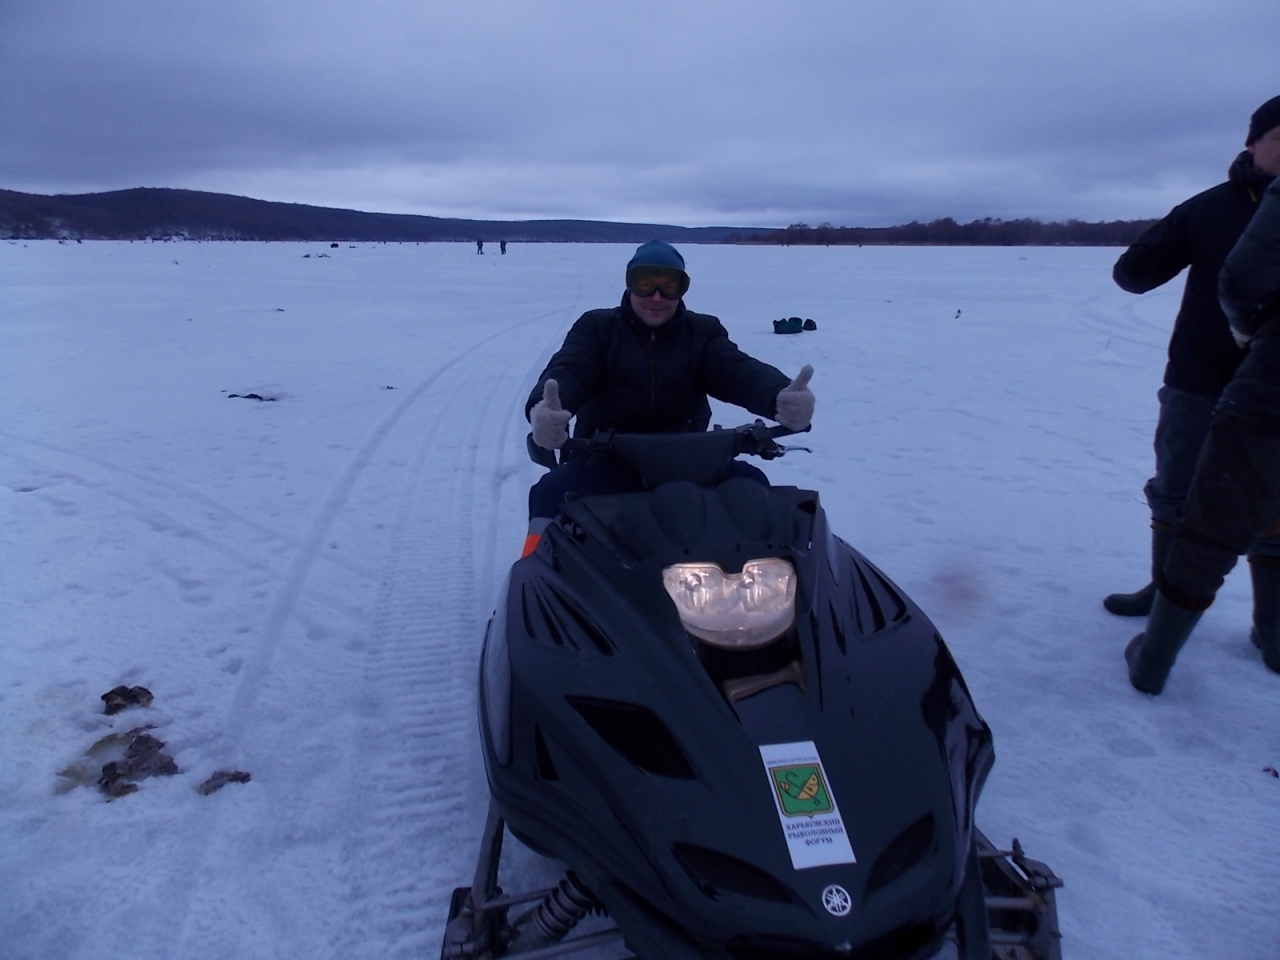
(1244, 174)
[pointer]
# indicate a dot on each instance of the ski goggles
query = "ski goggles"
(669, 282)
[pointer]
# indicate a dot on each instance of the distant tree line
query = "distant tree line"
(946, 232)
(149, 213)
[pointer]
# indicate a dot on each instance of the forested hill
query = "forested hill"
(159, 213)
(147, 212)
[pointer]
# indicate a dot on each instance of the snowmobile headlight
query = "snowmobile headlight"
(733, 610)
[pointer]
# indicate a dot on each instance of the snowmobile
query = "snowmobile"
(742, 739)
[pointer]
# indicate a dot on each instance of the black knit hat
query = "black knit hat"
(1263, 119)
(659, 253)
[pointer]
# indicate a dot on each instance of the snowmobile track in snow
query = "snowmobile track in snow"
(426, 770)
(311, 548)
(122, 483)
(404, 770)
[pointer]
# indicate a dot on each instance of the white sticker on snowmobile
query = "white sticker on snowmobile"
(806, 805)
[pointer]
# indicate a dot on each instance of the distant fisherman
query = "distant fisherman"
(1202, 356)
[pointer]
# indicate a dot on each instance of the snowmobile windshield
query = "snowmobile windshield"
(734, 610)
(659, 458)
(662, 457)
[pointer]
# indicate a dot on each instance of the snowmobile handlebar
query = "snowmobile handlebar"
(756, 439)
(663, 457)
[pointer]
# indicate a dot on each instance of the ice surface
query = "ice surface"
(303, 581)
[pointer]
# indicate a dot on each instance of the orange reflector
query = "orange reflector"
(530, 544)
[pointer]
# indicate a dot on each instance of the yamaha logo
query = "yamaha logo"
(837, 900)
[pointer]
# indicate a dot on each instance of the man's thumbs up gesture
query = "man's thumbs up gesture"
(795, 401)
(551, 422)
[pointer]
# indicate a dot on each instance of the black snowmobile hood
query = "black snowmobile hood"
(691, 787)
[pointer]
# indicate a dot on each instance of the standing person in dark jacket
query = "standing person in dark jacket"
(1202, 357)
(648, 366)
(1235, 495)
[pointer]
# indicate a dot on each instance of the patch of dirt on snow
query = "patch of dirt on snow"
(116, 762)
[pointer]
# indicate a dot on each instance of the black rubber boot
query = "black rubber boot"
(1265, 573)
(1151, 653)
(1138, 603)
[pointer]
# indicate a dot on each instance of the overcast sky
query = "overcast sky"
(740, 112)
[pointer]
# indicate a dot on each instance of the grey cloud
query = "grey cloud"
(745, 112)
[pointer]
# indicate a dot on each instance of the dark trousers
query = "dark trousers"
(1234, 499)
(1181, 432)
(589, 475)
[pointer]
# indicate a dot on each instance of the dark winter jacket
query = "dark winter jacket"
(615, 373)
(1250, 291)
(1197, 233)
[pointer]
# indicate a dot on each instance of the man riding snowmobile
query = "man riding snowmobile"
(743, 740)
(647, 366)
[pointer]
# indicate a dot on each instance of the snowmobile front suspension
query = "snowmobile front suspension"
(478, 928)
(1022, 911)
(1018, 895)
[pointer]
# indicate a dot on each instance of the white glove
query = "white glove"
(795, 401)
(550, 421)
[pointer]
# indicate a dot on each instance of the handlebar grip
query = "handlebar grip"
(539, 455)
(775, 432)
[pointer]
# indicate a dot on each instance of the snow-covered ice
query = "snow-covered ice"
(303, 581)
